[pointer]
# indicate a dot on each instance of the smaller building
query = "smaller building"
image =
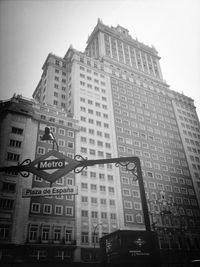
(34, 228)
(142, 248)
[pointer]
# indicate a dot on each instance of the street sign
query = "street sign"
(49, 191)
(51, 166)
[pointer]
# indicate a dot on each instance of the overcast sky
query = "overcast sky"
(29, 30)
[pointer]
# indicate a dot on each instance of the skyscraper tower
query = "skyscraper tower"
(116, 92)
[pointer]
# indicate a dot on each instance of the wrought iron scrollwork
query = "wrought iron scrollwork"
(83, 163)
(23, 172)
(130, 166)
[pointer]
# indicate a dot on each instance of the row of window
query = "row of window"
(58, 71)
(92, 121)
(95, 142)
(61, 143)
(102, 188)
(158, 104)
(91, 63)
(52, 209)
(97, 113)
(62, 95)
(94, 201)
(49, 233)
(6, 203)
(95, 215)
(194, 122)
(101, 176)
(93, 72)
(91, 102)
(97, 132)
(93, 152)
(89, 78)
(161, 187)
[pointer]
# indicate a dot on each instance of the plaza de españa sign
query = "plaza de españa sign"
(52, 166)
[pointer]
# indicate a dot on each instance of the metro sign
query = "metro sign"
(52, 166)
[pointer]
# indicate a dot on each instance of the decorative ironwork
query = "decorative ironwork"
(24, 173)
(130, 166)
(78, 164)
(21, 168)
(83, 163)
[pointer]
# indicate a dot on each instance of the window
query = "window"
(127, 204)
(69, 211)
(15, 143)
(68, 235)
(33, 232)
(102, 188)
(103, 215)
(111, 190)
(113, 216)
(16, 130)
(84, 213)
(58, 209)
(13, 156)
(126, 192)
(35, 207)
(93, 200)
(103, 201)
(47, 208)
(6, 203)
(137, 206)
(93, 187)
(57, 234)
(94, 214)
(8, 187)
(70, 144)
(84, 238)
(129, 218)
(84, 185)
(45, 233)
(112, 202)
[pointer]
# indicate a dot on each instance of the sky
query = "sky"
(31, 29)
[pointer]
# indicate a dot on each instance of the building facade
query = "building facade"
(116, 94)
(37, 224)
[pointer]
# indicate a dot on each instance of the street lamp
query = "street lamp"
(94, 236)
(49, 136)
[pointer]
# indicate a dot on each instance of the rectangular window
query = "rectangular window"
(13, 156)
(33, 232)
(129, 218)
(45, 233)
(103, 215)
(16, 130)
(68, 235)
(84, 238)
(35, 207)
(57, 234)
(69, 211)
(15, 143)
(58, 210)
(6, 203)
(47, 209)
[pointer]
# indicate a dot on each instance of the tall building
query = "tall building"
(116, 94)
(115, 89)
